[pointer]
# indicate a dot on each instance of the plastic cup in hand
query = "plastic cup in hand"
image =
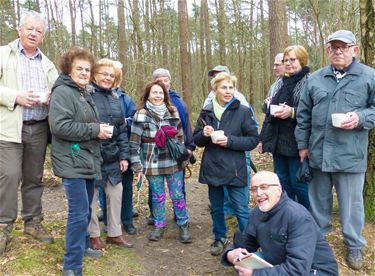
(110, 128)
(274, 108)
(217, 135)
(43, 96)
(337, 119)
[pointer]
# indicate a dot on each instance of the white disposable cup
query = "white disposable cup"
(217, 135)
(337, 119)
(110, 128)
(43, 96)
(274, 108)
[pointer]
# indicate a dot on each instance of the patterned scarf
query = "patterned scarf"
(159, 110)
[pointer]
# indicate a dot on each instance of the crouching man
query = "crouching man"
(284, 232)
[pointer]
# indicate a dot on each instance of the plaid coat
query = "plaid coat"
(157, 161)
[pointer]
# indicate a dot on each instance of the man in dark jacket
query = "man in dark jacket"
(285, 232)
(338, 155)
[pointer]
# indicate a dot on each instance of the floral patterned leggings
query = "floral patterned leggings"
(175, 186)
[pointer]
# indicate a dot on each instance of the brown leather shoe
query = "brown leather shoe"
(96, 243)
(119, 241)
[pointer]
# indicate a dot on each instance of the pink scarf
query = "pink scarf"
(161, 139)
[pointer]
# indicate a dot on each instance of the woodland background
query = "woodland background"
(191, 37)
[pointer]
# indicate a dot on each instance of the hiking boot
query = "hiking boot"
(94, 253)
(354, 259)
(135, 213)
(218, 246)
(150, 220)
(96, 243)
(185, 236)
(5, 230)
(130, 229)
(156, 234)
(72, 272)
(35, 229)
(119, 241)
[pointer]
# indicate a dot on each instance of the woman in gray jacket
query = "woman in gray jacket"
(76, 132)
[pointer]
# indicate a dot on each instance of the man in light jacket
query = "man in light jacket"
(338, 155)
(26, 78)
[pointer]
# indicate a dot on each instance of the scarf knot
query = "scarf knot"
(160, 136)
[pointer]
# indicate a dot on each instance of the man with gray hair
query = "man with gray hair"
(284, 231)
(26, 77)
(338, 153)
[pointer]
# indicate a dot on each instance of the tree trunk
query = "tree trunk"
(94, 41)
(121, 38)
(203, 47)
(278, 29)
(221, 29)
(314, 5)
(266, 80)
(251, 54)
(184, 54)
(83, 31)
(238, 36)
(367, 23)
(72, 11)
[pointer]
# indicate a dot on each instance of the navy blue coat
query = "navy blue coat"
(226, 165)
(289, 239)
(116, 148)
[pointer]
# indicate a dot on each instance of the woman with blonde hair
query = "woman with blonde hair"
(115, 154)
(226, 130)
(277, 134)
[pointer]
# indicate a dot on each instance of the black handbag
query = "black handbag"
(177, 150)
(304, 173)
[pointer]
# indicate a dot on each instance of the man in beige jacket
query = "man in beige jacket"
(26, 77)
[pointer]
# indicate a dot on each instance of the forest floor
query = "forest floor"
(25, 256)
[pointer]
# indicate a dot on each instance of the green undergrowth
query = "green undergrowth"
(26, 256)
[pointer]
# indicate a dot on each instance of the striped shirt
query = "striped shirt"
(33, 78)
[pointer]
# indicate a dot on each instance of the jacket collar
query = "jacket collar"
(279, 205)
(353, 69)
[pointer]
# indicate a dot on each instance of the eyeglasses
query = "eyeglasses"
(106, 75)
(343, 48)
(277, 64)
(290, 60)
(263, 187)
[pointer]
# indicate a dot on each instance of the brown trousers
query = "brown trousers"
(23, 163)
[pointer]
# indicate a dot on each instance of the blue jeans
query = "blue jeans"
(238, 197)
(79, 193)
(286, 169)
(157, 187)
(228, 208)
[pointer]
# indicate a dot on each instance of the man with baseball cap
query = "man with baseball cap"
(338, 154)
(284, 231)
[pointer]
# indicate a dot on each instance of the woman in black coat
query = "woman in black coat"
(278, 127)
(115, 154)
(224, 162)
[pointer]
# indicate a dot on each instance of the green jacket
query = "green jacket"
(10, 86)
(73, 119)
(334, 149)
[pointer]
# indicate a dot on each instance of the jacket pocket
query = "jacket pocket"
(84, 159)
(319, 109)
(318, 97)
(354, 99)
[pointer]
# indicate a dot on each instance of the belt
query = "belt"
(33, 122)
(148, 140)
